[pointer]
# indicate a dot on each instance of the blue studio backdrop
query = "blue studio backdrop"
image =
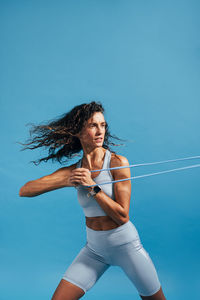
(140, 59)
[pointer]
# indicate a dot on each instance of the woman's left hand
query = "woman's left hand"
(81, 176)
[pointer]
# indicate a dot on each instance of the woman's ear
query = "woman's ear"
(77, 135)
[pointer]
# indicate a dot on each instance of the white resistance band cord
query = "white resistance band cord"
(146, 164)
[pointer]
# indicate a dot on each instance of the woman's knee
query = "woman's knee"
(67, 291)
(157, 296)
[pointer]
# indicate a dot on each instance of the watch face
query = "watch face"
(97, 189)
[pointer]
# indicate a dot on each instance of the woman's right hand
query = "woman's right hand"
(81, 176)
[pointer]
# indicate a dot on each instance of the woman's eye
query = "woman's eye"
(93, 125)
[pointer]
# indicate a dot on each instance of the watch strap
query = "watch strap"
(95, 189)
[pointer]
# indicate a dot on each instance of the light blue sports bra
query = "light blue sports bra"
(91, 207)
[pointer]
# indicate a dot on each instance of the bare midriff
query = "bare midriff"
(101, 223)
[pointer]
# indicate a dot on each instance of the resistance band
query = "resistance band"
(146, 164)
(150, 174)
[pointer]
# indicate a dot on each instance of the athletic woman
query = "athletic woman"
(112, 239)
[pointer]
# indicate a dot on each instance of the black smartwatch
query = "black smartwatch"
(95, 189)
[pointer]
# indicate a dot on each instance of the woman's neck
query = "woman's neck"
(93, 157)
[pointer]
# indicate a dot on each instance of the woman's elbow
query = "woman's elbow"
(124, 219)
(21, 192)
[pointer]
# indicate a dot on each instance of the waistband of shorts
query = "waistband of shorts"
(104, 232)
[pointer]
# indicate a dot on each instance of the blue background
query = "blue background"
(141, 60)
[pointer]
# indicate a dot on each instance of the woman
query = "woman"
(112, 239)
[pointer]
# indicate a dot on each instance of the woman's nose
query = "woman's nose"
(99, 129)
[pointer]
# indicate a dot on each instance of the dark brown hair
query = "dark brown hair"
(59, 135)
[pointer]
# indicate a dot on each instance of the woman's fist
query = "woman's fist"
(81, 176)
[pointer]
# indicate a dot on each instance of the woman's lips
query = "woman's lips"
(99, 139)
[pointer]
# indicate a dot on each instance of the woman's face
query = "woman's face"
(93, 133)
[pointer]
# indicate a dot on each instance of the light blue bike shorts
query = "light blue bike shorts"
(121, 247)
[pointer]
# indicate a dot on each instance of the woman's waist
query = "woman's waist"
(101, 223)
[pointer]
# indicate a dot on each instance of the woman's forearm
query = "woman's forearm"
(39, 186)
(112, 208)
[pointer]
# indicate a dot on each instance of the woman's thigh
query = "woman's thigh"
(86, 268)
(138, 266)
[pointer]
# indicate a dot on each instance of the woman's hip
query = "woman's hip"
(98, 239)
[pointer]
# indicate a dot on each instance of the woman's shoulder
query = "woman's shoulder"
(118, 160)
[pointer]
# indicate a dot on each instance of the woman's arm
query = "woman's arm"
(58, 179)
(117, 209)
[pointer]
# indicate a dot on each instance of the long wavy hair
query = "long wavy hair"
(59, 135)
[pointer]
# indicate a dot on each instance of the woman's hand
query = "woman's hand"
(81, 176)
